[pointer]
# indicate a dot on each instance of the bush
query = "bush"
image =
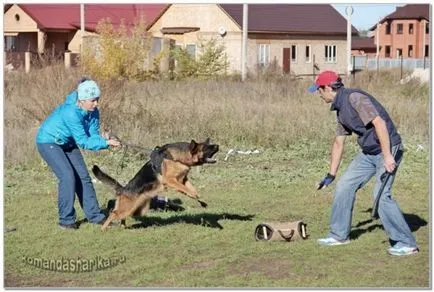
(211, 61)
(121, 53)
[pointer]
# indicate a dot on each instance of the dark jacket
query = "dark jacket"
(351, 121)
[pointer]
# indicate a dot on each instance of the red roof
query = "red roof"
(67, 16)
(362, 43)
(410, 11)
(290, 18)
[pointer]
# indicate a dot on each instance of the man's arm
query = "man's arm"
(337, 150)
(383, 136)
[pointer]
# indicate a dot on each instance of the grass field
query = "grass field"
(215, 247)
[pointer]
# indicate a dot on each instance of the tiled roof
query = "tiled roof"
(290, 18)
(67, 16)
(410, 11)
(362, 43)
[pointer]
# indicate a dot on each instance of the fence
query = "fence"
(371, 63)
(27, 60)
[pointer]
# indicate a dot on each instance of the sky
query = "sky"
(366, 15)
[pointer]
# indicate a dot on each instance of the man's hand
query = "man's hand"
(389, 163)
(326, 181)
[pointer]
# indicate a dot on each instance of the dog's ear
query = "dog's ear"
(193, 146)
(207, 141)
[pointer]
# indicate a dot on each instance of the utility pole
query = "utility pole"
(82, 28)
(377, 40)
(378, 44)
(423, 37)
(349, 11)
(244, 45)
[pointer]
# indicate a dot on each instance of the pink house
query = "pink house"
(405, 32)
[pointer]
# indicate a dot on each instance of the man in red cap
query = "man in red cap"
(360, 113)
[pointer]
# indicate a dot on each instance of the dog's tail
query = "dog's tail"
(105, 178)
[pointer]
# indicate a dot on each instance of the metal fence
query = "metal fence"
(370, 63)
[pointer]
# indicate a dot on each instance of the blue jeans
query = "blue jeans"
(358, 173)
(73, 178)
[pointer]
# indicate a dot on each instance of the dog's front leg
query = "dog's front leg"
(189, 185)
(175, 184)
(186, 188)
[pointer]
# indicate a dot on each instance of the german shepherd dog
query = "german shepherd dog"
(168, 166)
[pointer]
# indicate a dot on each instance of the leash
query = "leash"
(384, 178)
(125, 146)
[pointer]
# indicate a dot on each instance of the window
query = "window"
(191, 50)
(156, 45)
(427, 51)
(388, 28)
(387, 52)
(330, 54)
(293, 54)
(427, 28)
(410, 28)
(263, 54)
(307, 54)
(410, 51)
(10, 43)
(399, 28)
(398, 53)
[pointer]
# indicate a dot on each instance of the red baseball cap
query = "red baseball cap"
(323, 79)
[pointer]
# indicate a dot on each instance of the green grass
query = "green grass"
(215, 247)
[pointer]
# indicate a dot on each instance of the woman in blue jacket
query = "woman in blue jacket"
(73, 125)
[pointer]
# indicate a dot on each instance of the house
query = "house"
(56, 27)
(404, 33)
(299, 38)
(363, 46)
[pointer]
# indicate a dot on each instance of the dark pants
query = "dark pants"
(73, 178)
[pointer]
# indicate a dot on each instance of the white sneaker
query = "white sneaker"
(332, 241)
(403, 251)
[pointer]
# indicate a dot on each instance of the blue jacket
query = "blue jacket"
(69, 124)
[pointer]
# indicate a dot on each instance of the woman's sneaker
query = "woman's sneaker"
(403, 251)
(332, 241)
(72, 226)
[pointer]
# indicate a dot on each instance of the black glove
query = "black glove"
(326, 181)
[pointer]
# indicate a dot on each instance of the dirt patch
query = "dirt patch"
(272, 268)
(200, 265)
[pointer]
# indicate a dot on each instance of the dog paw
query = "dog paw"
(203, 204)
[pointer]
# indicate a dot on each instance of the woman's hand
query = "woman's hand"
(114, 142)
